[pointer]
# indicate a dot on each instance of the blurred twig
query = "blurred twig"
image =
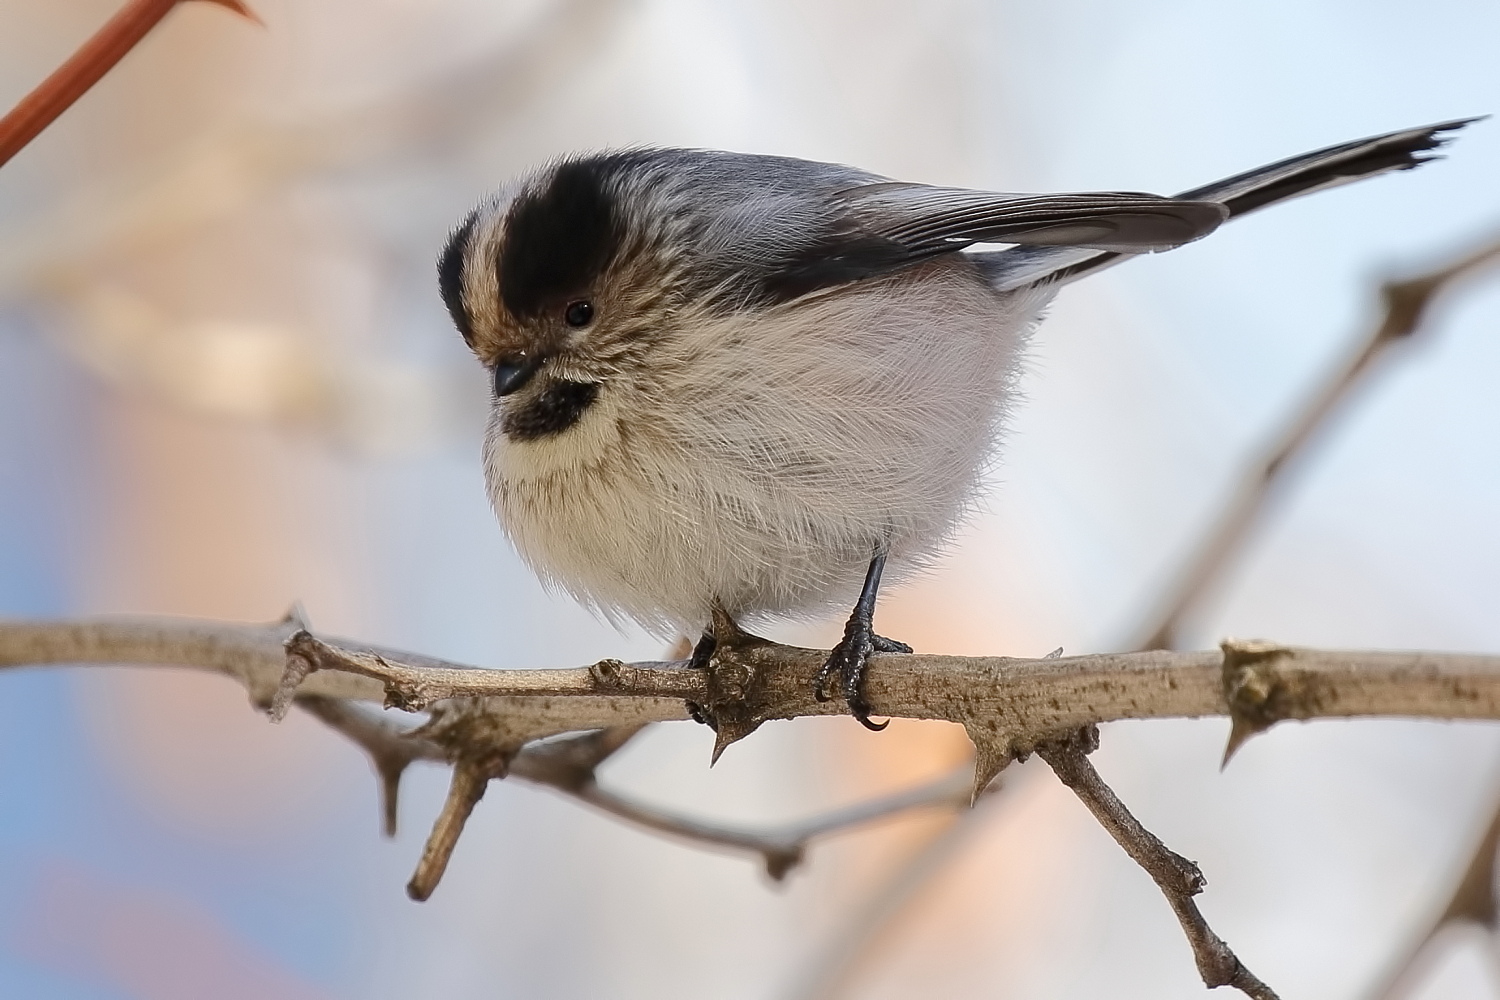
(782, 847)
(1472, 901)
(1405, 306)
(84, 68)
(830, 972)
(570, 764)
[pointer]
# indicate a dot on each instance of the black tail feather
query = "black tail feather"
(1242, 193)
(1326, 168)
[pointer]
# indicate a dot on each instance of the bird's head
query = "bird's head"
(557, 291)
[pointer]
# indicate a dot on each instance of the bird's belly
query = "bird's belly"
(766, 479)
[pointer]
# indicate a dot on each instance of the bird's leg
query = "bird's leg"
(850, 657)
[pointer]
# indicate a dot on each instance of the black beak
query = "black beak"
(514, 372)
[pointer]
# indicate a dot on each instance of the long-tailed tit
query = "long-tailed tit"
(754, 384)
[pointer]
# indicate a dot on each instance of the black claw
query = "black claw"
(861, 711)
(703, 651)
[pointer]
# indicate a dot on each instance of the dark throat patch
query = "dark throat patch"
(558, 407)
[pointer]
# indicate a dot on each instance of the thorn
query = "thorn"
(1240, 731)
(296, 615)
(240, 9)
(992, 754)
(728, 732)
(722, 742)
(297, 669)
(1253, 689)
(389, 772)
(725, 629)
(780, 861)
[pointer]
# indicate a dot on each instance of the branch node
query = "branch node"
(729, 707)
(1406, 303)
(737, 701)
(780, 861)
(1256, 694)
(606, 673)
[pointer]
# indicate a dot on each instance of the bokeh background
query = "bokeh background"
(227, 382)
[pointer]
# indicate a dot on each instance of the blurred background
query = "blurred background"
(227, 383)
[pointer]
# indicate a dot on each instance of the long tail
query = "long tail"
(1242, 193)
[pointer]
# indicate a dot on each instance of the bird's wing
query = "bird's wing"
(925, 220)
(876, 229)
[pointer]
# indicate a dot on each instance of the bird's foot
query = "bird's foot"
(848, 662)
(702, 653)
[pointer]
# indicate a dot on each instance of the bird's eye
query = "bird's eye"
(579, 313)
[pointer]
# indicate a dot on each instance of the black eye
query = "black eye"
(579, 313)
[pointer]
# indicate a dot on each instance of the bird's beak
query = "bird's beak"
(513, 372)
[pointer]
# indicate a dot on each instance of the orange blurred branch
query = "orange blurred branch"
(86, 67)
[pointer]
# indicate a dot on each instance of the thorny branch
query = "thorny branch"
(487, 723)
(490, 719)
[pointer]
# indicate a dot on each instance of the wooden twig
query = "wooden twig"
(832, 969)
(1178, 878)
(782, 848)
(569, 764)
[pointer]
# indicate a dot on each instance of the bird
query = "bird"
(753, 385)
